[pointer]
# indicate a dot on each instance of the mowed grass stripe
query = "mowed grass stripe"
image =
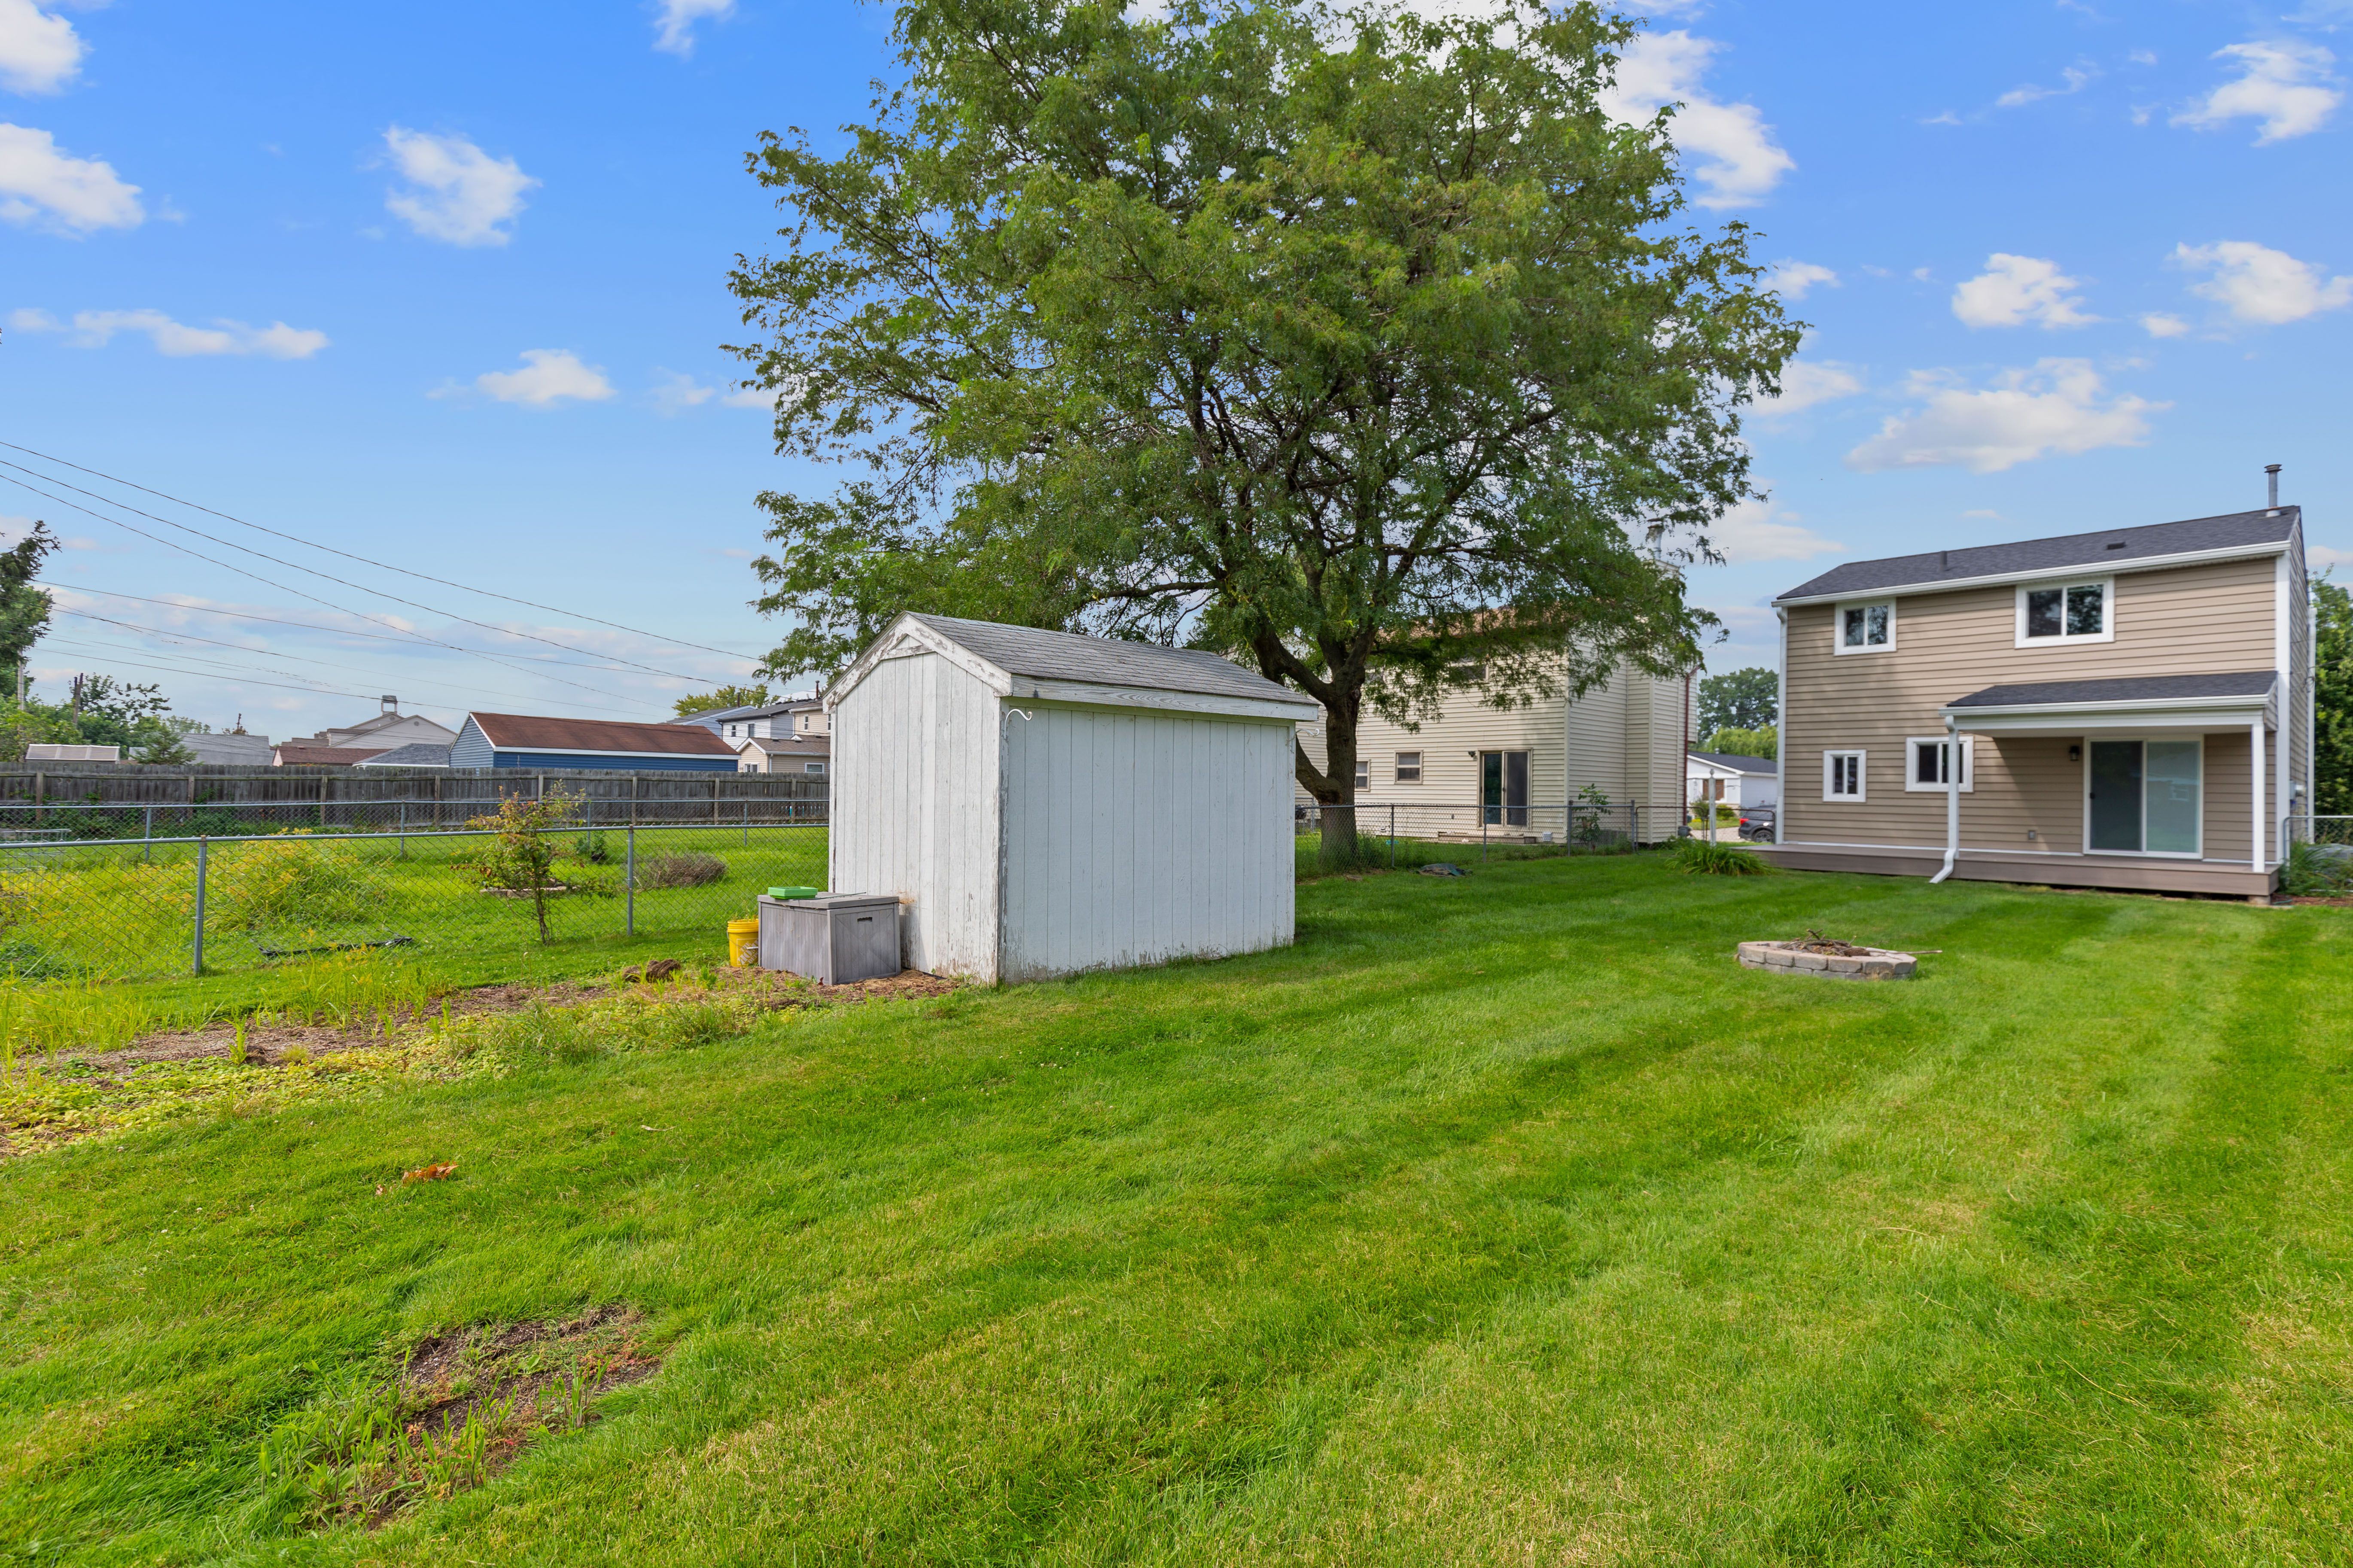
(1349, 1253)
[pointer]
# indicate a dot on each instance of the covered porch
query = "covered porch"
(2166, 783)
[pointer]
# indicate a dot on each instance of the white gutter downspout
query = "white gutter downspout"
(1952, 798)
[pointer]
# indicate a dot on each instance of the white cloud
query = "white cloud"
(2257, 283)
(43, 188)
(460, 192)
(2055, 408)
(1806, 383)
(2284, 83)
(1743, 163)
(549, 376)
(1754, 532)
(2324, 555)
(2158, 324)
(676, 392)
(2077, 78)
(753, 398)
(96, 329)
(38, 52)
(1792, 279)
(674, 22)
(2014, 291)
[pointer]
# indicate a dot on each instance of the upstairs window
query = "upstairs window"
(1364, 772)
(1409, 767)
(2053, 613)
(1866, 628)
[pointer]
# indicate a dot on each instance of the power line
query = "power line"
(284, 588)
(365, 561)
(297, 566)
(240, 648)
(302, 625)
(278, 685)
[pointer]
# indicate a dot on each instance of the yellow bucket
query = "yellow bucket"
(744, 945)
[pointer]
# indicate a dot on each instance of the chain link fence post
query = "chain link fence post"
(629, 878)
(202, 844)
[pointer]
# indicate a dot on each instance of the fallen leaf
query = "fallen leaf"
(379, 1189)
(428, 1173)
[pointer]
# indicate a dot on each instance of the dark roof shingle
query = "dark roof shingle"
(530, 732)
(2110, 547)
(1106, 661)
(2122, 692)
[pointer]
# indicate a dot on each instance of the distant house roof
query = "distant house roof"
(1737, 764)
(796, 745)
(303, 754)
(718, 716)
(418, 754)
(1106, 661)
(2122, 692)
(527, 732)
(230, 749)
(56, 752)
(2238, 533)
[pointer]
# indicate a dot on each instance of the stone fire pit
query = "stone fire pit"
(1829, 959)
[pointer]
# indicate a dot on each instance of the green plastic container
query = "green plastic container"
(795, 892)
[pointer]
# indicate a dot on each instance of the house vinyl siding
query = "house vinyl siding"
(1624, 737)
(2207, 619)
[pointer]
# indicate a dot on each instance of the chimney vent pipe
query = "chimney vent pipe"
(2271, 472)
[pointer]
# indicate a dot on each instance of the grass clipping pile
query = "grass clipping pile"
(459, 1410)
(258, 1064)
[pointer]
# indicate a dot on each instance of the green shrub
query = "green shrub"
(286, 882)
(2318, 870)
(687, 868)
(1703, 857)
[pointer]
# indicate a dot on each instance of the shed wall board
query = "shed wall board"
(915, 798)
(1135, 837)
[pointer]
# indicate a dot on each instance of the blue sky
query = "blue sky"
(443, 286)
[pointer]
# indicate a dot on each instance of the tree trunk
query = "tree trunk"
(1334, 789)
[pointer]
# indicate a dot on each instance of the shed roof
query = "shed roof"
(415, 754)
(2248, 531)
(530, 732)
(1106, 661)
(2122, 692)
(1736, 762)
(308, 754)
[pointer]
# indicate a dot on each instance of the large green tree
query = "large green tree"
(2332, 761)
(1364, 348)
(1739, 700)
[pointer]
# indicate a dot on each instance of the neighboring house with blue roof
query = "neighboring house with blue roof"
(526, 741)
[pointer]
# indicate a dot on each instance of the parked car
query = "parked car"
(1756, 823)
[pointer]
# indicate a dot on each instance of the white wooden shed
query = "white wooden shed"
(1044, 804)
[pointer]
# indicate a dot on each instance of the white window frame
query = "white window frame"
(1399, 768)
(815, 768)
(1862, 776)
(2107, 632)
(1912, 784)
(1837, 626)
(1364, 772)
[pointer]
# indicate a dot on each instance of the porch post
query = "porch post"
(1952, 796)
(2255, 857)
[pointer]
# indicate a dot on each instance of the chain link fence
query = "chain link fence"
(1518, 831)
(124, 893)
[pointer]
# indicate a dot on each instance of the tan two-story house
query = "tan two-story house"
(2131, 709)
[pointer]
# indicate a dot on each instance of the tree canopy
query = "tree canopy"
(1739, 700)
(1360, 347)
(2332, 762)
(726, 697)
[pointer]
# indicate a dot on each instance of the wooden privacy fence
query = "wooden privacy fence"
(368, 798)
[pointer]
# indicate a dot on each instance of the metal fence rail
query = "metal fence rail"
(1580, 827)
(80, 822)
(145, 907)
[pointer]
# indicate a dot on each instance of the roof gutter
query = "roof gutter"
(2044, 574)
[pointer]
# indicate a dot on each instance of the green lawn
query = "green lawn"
(1501, 1220)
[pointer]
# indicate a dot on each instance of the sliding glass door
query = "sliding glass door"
(1504, 787)
(2145, 798)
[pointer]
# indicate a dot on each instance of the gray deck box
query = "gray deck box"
(833, 939)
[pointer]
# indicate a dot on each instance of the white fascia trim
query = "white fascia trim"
(1210, 704)
(605, 751)
(904, 638)
(2044, 574)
